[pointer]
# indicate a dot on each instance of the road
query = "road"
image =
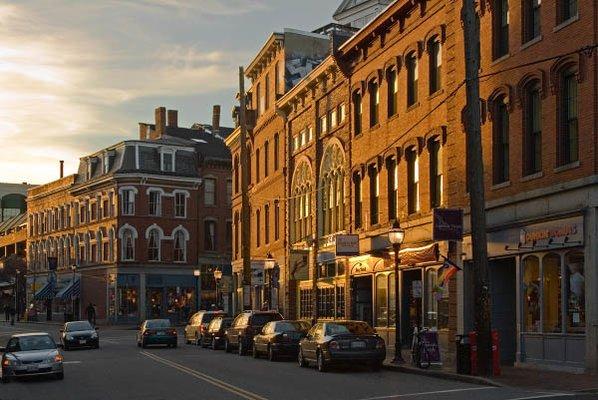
(121, 370)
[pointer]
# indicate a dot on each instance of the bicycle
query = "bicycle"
(420, 357)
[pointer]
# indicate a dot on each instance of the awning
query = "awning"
(71, 291)
(45, 293)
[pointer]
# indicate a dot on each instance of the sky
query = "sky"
(78, 75)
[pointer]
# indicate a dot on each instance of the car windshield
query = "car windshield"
(287, 326)
(158, 323)
(208, 317)
(78, 326)
(32, 343)
(336, 329)
(359, 328)
(263, 319)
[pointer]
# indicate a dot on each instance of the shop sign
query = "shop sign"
(347, 245)
(362, 267)
(448, 224)
(564, 232)
(418, 255)
(430, 340)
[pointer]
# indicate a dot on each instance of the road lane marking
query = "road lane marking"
(72, 362)
(207, 378)
(544, 396)
(397, 396)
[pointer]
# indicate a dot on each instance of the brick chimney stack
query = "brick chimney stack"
(173, 117)
(61, 168)
(160, 117)
(216, 119)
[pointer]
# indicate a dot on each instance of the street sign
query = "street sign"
(347, 245)
(448, 224)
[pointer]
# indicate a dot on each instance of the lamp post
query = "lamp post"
(17, 273)
(396, 236)
(197, 274)
(217, 277)
(74, 269)
(269, 265)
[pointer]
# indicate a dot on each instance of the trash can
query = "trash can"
(463, 354)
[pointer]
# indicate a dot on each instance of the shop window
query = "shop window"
(326, 302)
(436, 301)
(551, 292)
(391, 300)
(305, 304)
(340, 302)
(576, 288)
(128, 305)
(531, 291)
(381, 300)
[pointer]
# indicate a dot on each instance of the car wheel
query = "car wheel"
(214, 344)
(376, 366)
(227, 348)
(321, 363)
(302, 361)
(197, 339)
(241, 348)
(5, 378)
(60, 376)
(271, 354)
(255, 353)
(138, 343)
(143, 344)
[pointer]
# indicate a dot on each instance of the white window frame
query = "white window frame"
(158, 203)
(170, 152)
(205, 191)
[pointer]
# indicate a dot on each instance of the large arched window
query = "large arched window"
(332, 178)
(301, 202)
(180, 246)
(153, 245)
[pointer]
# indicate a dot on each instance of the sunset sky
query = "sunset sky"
(76, 76)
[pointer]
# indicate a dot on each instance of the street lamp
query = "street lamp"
(217, 277)
(269, 265)
(197, 275)
(16, 291)
(396, 236)
(74, 269)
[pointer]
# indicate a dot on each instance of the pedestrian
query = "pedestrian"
(91, 314)
(6, 313)
(13, 312)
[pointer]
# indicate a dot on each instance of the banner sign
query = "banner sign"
(448, 224)
(347, 245)
(418, 255)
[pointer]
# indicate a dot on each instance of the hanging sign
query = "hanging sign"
(448, 224)
(347, 245)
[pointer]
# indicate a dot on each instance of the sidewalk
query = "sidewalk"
(521, 377)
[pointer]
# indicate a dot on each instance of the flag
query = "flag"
(447, 271)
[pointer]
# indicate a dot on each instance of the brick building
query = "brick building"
(135, 221)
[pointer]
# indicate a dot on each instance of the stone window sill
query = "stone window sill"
(566, 23)
(567, 167)
(501, 185)
(531, 42)
(500, 59)
(435, 94)
(413, 106)
(531, 177)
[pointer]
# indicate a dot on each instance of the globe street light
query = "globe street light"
(74, 269)
(217, 277)
(396, 236)
(197, 275)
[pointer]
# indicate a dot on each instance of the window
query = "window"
(258, 228)
(532, 161)
(179, 247)
(236, 233)
(551, 293)
(236, 173)
(374, 91)
(333, 118)
(248, 166)
(105, 209)
(412, 181)
(342, 113)
(374, 194)
(305, 304)
(436, 301)
(436, 179)
(500, 142)
(257, 166)
(531, 19)
(180, 205)
(393, 91)
(229, 234)
(276, 151)
(153, 245)
(259, 99)
(267, 92)
(575, 284)
(568, 132)
(168, 161)
(323, 122)
(381, 300)
(106, 162)
(501, 28)
(568, 9)
(266, 224)
(210, 235)
(210, 191)
(127, 204)
(357, 113)
(531, 293)
(229, 191)
(276, 220)
(277, 78)
(266, 159)
(412, 78)
(358, 200)
(435, 64)
(155, 200)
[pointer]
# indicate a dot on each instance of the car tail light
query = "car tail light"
(172, 332)
(380, 343)
(58, 358)
(333, 345)
(5, 362)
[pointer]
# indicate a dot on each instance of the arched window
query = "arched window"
(392, 91)
(500, 141)
(412, 78)
(128, 246)
(357, 113)
(435, 64)
(568, 144)
(153, 245)
(532, 118)
(332, 173)
(301, 202)
(531, 293)
(373, 89)
(180, 247)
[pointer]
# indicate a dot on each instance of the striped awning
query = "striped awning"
(71, 291)
(45, 293)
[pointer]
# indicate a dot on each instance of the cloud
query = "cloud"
(205, 7)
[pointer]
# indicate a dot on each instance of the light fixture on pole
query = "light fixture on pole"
(217, 277)
(16, 291)
(74, 269)
(396, 236)
(269, 265)
(197, 275)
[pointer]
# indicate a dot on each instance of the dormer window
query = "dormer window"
(167, 160)
(106, 158)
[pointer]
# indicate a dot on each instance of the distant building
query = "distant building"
(357, 13)
(12, 199)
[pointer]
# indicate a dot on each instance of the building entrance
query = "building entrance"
(362, 299)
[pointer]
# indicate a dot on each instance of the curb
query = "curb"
(477, 380)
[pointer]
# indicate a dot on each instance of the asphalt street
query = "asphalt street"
(121, 370)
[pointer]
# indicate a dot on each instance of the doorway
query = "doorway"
(503, 285)
(362, 299)
(154, 303)
(411, 303)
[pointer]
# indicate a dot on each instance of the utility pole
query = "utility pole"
(475, 179)
(245, 217)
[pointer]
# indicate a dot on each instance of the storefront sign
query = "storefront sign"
(448, 224)
(413, 256)
(347, 245)
(567, 231)
(361, 268)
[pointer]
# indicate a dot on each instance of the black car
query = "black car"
(198, 325)
(245, 326)
(342, 342)
(79, 334)
(157, 331)
(214, 335)
(279, 338)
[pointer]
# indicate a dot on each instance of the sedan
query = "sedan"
(157, 331)
(214, 335)
(79, 334)
(342, 342)
(31, 354)
(279, 338)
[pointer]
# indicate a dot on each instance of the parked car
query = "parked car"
(157, 331)
(342, 342)
(79, 334)
(245, 326)
(279, 338)
(198, 325)
(31, 354)
(214, 335)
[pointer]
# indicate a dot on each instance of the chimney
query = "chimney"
(160, 114)
(173, 116)
(142, 131)
(61, 168)
(216, 120)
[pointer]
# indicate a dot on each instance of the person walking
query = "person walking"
(91, 314)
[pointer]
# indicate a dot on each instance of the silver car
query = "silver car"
(31, 354)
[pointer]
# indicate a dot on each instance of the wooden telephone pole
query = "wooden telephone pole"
(475, 178)
(245, 216)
